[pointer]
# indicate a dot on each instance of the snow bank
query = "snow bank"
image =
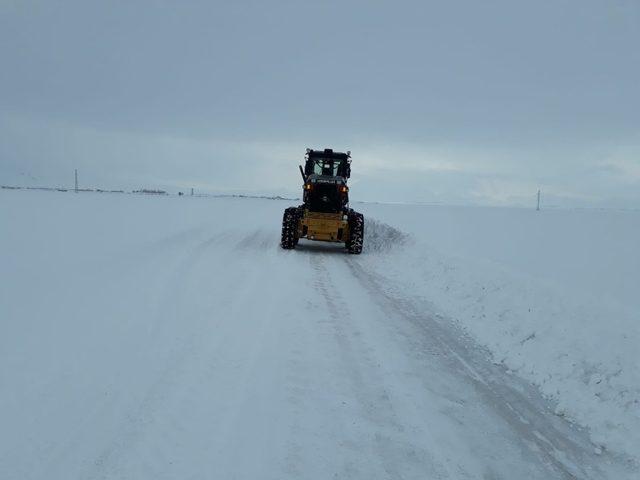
(380, 237)
(579, 348)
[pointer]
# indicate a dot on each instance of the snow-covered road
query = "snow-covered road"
(148, 347)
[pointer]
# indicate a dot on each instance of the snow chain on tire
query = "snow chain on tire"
(356, 232)
(289, 228)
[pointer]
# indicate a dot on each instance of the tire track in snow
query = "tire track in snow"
(213, 404)
(258, 240)
(397, 456)
(137, 418)
(563, 448)
(176, 362)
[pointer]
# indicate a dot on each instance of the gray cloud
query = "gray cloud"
(456, 102)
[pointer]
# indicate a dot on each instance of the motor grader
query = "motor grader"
(325, 214)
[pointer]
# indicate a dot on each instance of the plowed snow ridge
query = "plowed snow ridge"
(381, 237)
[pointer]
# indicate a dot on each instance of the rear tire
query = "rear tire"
(356, 233)
(289, 238)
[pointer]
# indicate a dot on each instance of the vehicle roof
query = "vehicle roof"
(327, 153)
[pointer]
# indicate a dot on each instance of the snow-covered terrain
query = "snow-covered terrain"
(166, 337)
(554, 295)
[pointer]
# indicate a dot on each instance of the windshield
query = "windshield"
(326, 166)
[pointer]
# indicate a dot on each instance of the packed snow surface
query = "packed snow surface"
(166, 337)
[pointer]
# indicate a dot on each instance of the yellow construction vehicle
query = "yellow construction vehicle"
(325, 214)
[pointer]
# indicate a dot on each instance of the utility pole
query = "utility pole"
(538, 207)
(76, 189)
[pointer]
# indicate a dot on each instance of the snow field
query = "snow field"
(165, 337)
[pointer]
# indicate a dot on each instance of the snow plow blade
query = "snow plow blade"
(327, 227)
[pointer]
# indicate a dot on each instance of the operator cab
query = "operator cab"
(328, 163)
(325, 180)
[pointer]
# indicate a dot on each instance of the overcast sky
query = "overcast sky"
(459, 102)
